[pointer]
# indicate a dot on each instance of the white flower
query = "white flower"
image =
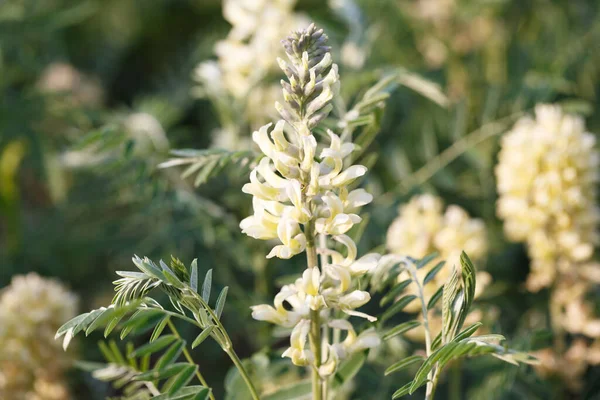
(292, 239)
(336, 222)
(32, 308)
(546, 173)
(297, 352)
(353, 343)
(423, 227)
(300, 193)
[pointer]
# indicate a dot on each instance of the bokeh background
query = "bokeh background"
(95, 93)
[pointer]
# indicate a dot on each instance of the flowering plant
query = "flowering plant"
(305, 200)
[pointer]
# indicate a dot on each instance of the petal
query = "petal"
(342, 324)
(360, 314)
(365, 264)
(261, 138)
(349, 175)
(271, 178)
(350, 246)
(355, 299)
(357, 198)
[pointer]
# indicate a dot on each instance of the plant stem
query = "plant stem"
(455, 383)
(450, 154)
(189, 359)
(324, 259)
(429, 395)
(315, 319)
(227, 345)
(315, 346)
(432, 376)
(240, 367)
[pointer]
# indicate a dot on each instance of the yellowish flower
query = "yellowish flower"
(547, 171)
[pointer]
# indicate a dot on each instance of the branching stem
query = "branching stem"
(227, 346)
(189, 358)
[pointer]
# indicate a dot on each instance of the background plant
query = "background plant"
(81, 224)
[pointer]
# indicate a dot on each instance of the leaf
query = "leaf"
(468, 331)
(397, 307)
(452, 301)
(394, 292)
(170, 276)
(180, 380)
(73, 323)
(402, 328)
(107, 352)
(349, 369)
(118, 315)
(102, 318)
(221, 302)
(154, 346)
(296, 391)
(206, 286)
(159, 328)
(164, 373)
(190, 392)
(469, 281)
(404, 390)
(424, 87)
(117, 353)
(435, 298)
(431, 274)
(194, 276)
(140, 321)
(148, 267)
(403, 364)
(468, 347)
(207, 163)
(435, 344)
(421, 375)
(426, 260)
(202, 336)
(171, 355)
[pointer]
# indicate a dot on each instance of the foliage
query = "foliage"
(95, 95)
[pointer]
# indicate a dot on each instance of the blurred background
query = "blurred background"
(95, 94)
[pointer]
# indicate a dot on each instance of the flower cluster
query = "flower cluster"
(32, 362)
(422, 227)
(547, 172)
(300, 191)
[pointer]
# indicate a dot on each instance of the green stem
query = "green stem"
(455, 383)
(315, 319)
(430, 394)
(450, 154)
(324, 259)
(240, 367)
(228, 345)
(432, 376)
(189, 359)
(315, 346)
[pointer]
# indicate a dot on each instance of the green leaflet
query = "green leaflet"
(402, 328)
(154, 346)
(405, 362)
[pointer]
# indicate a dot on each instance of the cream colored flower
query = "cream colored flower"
(547, 171)
(300, 193)
(423, 227)
(31, 310)
(297, 352)
(353, 343)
